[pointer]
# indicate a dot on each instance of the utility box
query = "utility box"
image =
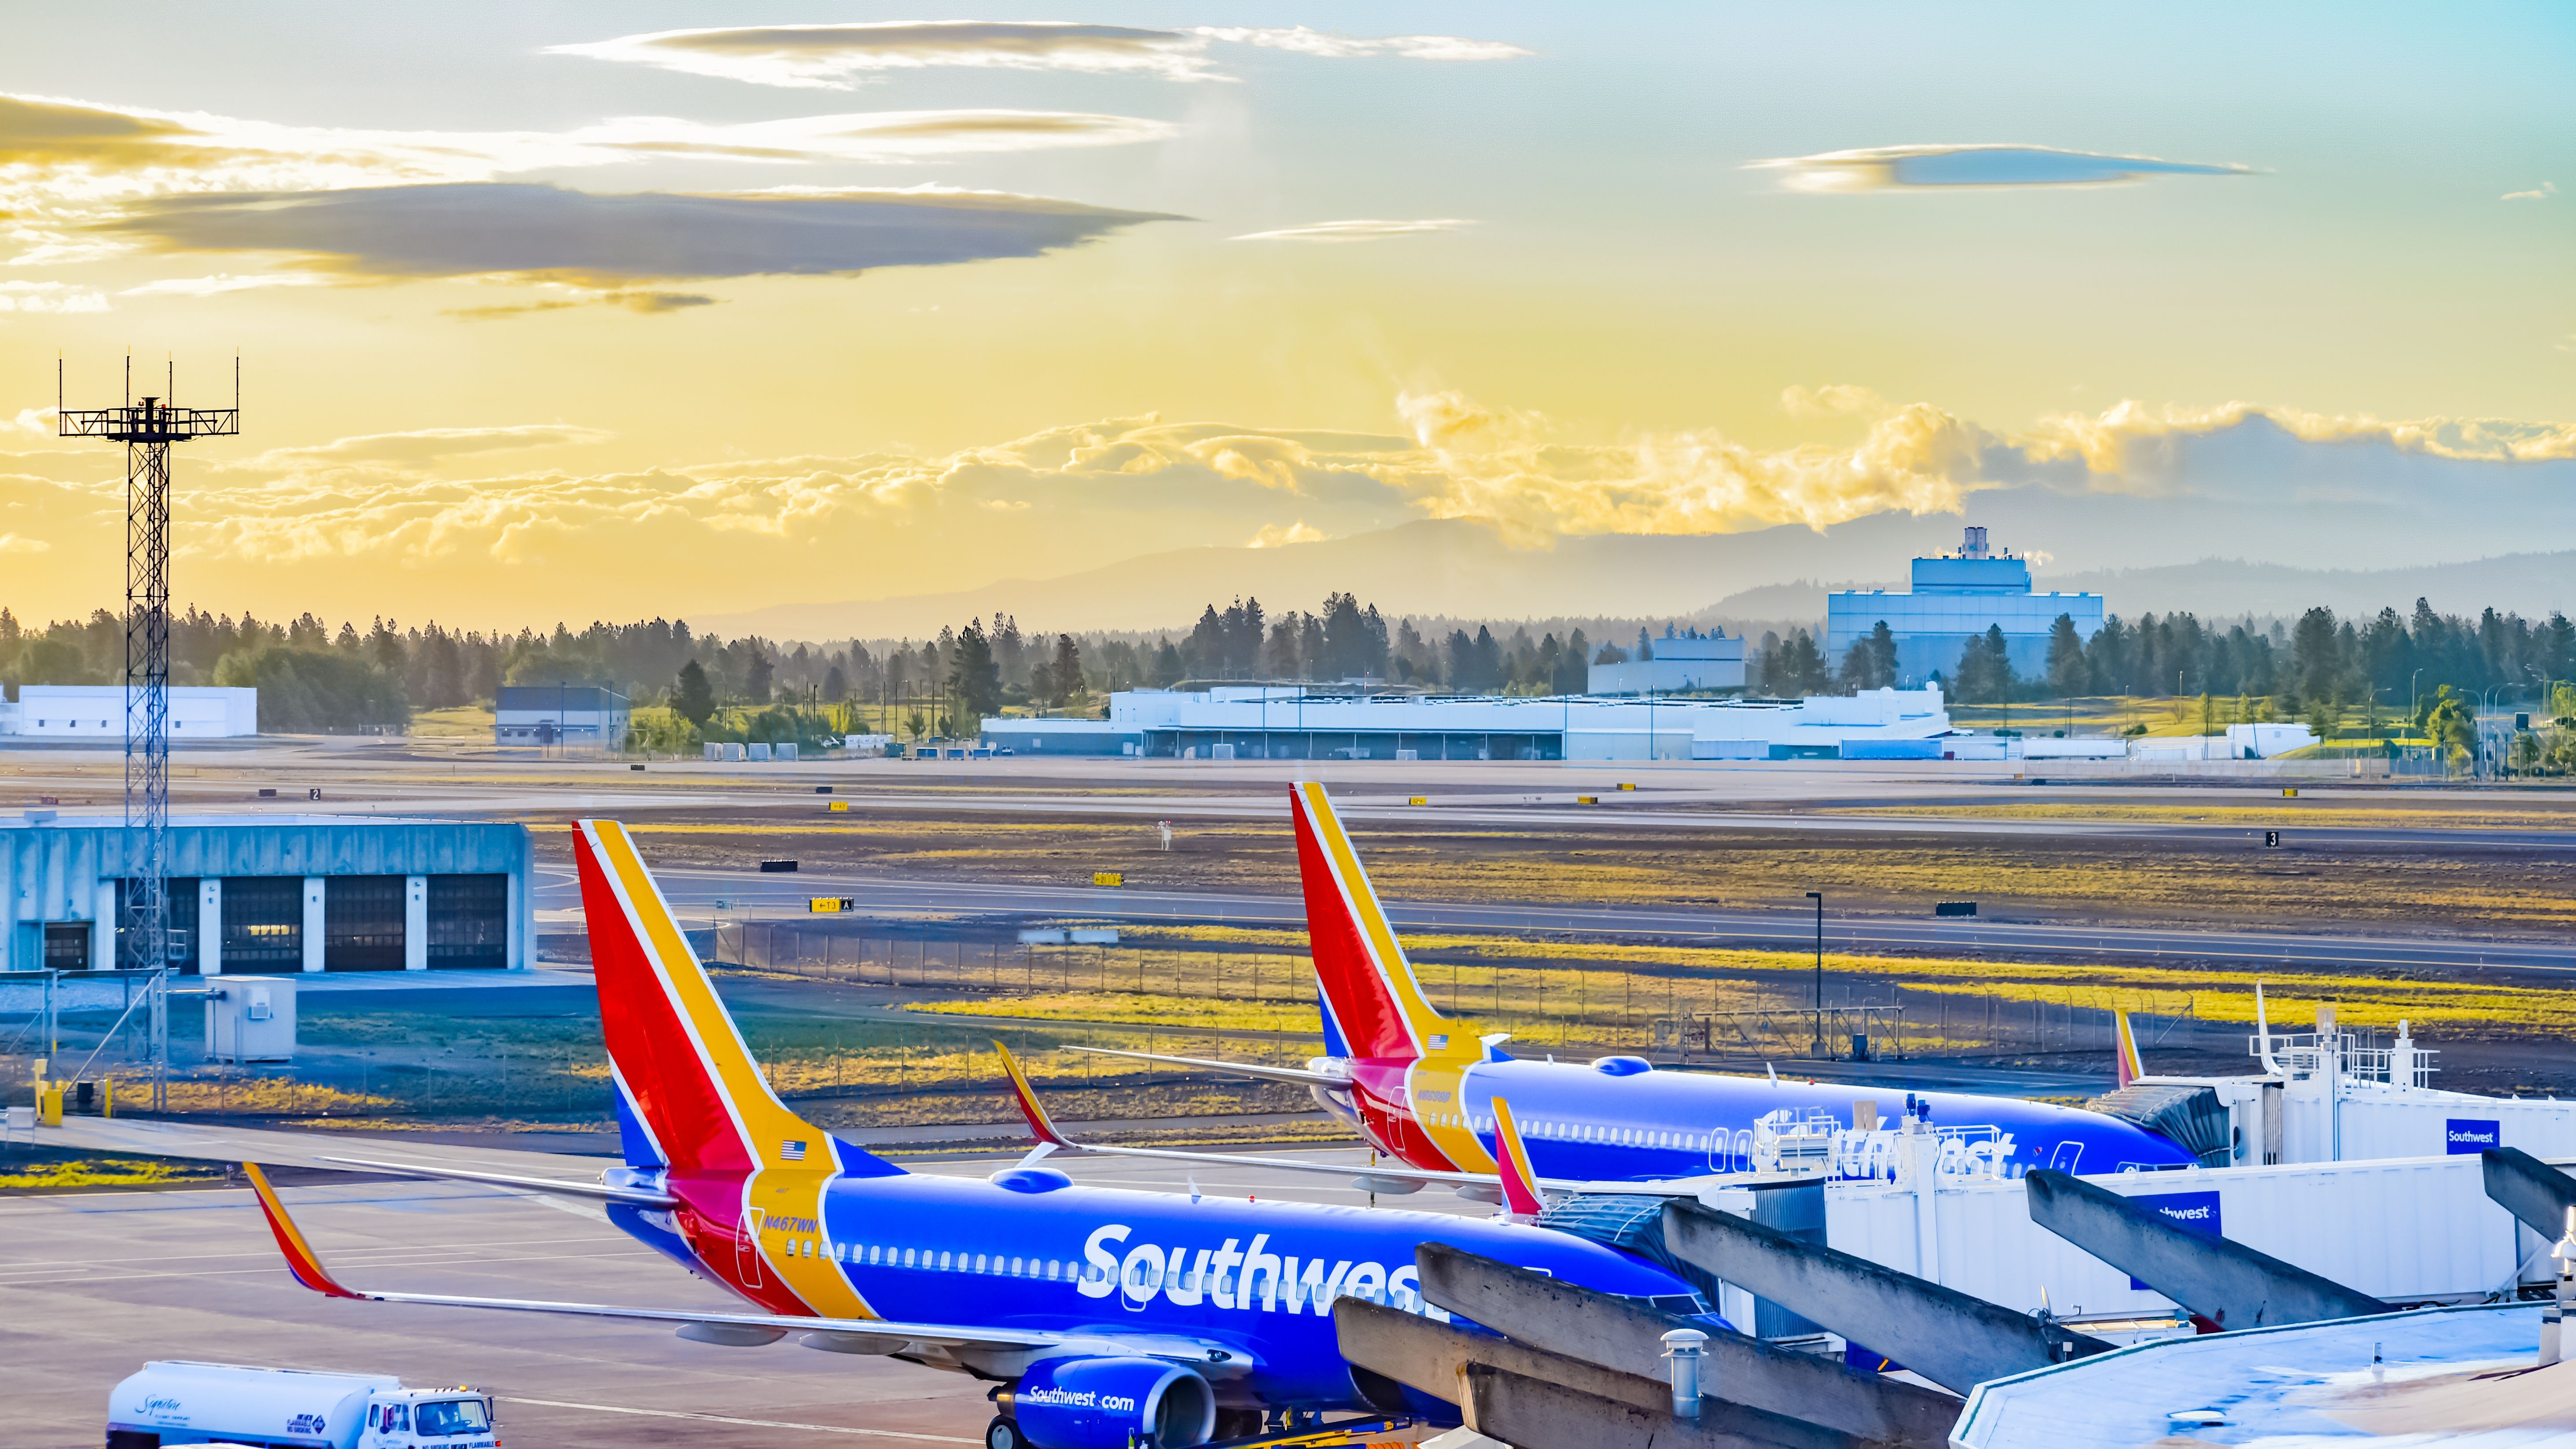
(250, 1019)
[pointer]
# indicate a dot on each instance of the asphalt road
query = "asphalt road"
(94, 1284)
(696, 892)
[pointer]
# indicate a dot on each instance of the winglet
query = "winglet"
(300, 1257)
(1512, 1165)
(2132, 1065)
(1041, 1126)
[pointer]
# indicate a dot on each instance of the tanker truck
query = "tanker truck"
(229, 1404)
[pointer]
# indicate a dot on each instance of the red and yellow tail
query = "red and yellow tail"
(1521, 1197)
(1372, 1002)
(301, 1260)
(2131, 1064)
(674, 1046)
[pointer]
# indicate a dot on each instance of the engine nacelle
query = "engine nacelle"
(1107, 1403)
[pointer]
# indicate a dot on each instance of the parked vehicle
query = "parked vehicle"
(233, 1404)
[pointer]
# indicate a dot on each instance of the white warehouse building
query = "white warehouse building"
(1288, 722)
(1680, 663)
(97, 712)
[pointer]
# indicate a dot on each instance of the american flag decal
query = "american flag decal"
(792, 1151)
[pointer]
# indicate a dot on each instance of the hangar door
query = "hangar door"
(362, 923)
(469, 922)
(263, 924)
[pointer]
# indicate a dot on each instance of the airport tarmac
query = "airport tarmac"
(695, 892)
(94, 1284)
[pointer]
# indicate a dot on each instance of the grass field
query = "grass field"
(458, 722)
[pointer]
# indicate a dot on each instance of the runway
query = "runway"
(696, 892)
(94, 1284)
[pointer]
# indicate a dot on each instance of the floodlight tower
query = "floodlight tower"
(147, 430)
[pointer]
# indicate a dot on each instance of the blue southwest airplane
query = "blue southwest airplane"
(1422, 1089)
(1106, 1318)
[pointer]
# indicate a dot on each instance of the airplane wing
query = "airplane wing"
(600, 1192)
(857, 1335)
(1298, 1075)
(1379, 1177)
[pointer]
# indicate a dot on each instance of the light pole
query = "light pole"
(1819, 898)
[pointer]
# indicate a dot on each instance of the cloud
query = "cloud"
(49, 297)
(1832, 400)
(650, 303)
(1353, 231)
(411, 450)
(830, 56)
(837, 57)
(418, 521)
(1273, 535)
(1327, 44)
(1898, 168)
(69, 169)
(2542, 192)
(12, 543)
(606, 241)
(225, 282)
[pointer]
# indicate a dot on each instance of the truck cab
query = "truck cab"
(177, 1402)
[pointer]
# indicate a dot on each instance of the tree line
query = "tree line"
(317, 677)
(2315, 658)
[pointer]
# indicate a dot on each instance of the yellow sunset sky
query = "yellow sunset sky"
(575, 311)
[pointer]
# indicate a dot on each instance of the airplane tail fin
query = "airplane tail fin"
(1521, 1197)
(2131, 1065)
(301, 1260)
(1041, 1126)
(1373, 1005)
(688, 1087)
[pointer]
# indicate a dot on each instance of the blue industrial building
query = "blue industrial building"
(1955, 598)
(274, 894)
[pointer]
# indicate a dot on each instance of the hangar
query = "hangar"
(273, 894)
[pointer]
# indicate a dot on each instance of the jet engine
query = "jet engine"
(1111, 1403)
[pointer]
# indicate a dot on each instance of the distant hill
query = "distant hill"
(1477, 569)
(1461, 568)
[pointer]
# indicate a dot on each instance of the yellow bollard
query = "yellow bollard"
(107, 1096)
(49, 1105)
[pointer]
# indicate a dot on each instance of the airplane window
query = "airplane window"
(1015, 1267)
(946, 1262)
(979, 1262)
(907, 1257)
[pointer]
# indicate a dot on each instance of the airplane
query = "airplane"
(1105, 1318)
(1421, 1087)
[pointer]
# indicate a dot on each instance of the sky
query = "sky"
(570, 311)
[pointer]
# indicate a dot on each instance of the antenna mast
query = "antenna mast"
(143, 935)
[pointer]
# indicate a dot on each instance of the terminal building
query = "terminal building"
(581, 716)
(97, 712)
(1289, 722)
(1678, 664)
(1957, 597)
(274, 894)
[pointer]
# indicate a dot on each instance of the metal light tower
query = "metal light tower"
(147, 430)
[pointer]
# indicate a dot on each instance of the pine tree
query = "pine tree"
(692, 696)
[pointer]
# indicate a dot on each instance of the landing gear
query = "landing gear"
(1234, 1424)
(1004, 1433)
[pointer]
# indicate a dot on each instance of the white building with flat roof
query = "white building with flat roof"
(97, 712)
(1287, 722)
(1680, 663)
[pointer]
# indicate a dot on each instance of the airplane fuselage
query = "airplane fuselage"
(1620, 1121)
(1241, 1289)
